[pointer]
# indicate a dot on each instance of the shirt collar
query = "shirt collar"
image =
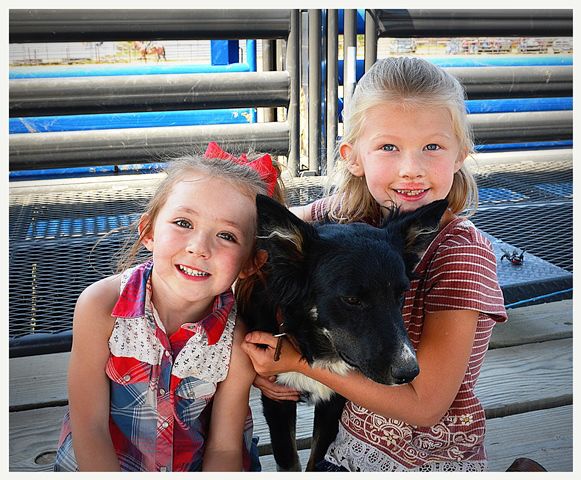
(215, 322)
(132, 300)
(131, 303)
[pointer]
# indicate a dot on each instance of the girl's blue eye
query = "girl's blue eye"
(432, 147)
(389, 148)
(227, 236)
(183, 223)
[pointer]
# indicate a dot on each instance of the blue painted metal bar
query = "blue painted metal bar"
(227, 52)
(520, 303)
(52, 173)
(116, 70)
(251, 55)
(519, 105)
(525, 146)
(502, 60)
(68, 123)
(224, 52)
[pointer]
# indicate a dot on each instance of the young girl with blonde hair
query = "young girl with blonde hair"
(407, 136)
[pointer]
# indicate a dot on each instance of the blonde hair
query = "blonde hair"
(242, 177)
(409, 81)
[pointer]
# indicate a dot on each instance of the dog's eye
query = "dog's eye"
(355, 301)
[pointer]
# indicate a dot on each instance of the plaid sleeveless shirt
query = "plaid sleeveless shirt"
(162, 387)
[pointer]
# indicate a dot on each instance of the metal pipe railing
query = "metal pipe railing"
(90, 25)
(153, 93)
(371, 33)
(268, 89)
(522, 126)
(332, 84)
(459, 23)
(314, 89)
(269, 65)
(106, 147)
(349, 55)
(139, 145)
(502, 82)
(293, 67)
(138, 93)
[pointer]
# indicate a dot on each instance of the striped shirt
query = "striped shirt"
(161, 388)
(457, 272)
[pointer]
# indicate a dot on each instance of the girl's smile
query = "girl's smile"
(410, 194)
(193, 273)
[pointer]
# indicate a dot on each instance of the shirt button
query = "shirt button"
(127, 378)
(163, 469)
(165, 424)
(161, 391)
(166, 353)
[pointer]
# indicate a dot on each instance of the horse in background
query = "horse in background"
(149, 48)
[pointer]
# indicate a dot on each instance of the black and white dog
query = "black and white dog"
(337, 290)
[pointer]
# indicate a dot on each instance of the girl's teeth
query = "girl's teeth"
(193, 273)
(411, 193)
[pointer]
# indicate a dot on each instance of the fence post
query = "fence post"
(349, 56)
(370, 39)
(293, 67)
(314, 81)
(269, 64)
(332, 84)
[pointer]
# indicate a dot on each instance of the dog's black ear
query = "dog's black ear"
(416, 230)
(286, 239)
(277, 224)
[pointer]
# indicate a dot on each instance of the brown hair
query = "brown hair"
(244, 178)
(410, 81)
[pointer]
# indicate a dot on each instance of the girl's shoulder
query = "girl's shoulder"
(461, 232)
(92, 321)
(100, 297)
(458, 240)
(319, 209)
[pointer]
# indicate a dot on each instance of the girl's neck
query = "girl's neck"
(174, 312)
(447, 218)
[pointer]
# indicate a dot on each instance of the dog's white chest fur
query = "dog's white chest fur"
(318, 391)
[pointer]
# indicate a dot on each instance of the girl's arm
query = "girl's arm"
(303, 212)
(229, 411)
(443, 355)
(87, 381)
(275, 391)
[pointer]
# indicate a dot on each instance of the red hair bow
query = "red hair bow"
(263, 165)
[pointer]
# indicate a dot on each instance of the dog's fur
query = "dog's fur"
(339, 290)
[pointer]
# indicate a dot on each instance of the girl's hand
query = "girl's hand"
(273, 390)
(263, 358)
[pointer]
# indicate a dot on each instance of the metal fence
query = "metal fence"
(86, 148)
(58, 241)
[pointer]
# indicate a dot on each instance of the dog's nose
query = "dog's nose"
(404, 373)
